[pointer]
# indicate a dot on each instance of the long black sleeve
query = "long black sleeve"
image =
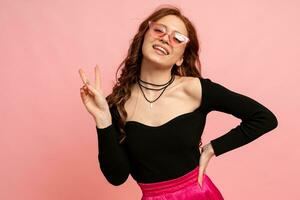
(256, 118)
(112, 156)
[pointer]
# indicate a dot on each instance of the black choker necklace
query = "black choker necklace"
(156, 84)
(163, 88)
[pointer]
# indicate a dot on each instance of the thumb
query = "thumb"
(83, 95)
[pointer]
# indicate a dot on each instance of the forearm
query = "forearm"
(112, 156)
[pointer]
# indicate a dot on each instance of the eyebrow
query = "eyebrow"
(168, 27)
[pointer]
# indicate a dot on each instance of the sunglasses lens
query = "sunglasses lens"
(178, 38)
(157, 29)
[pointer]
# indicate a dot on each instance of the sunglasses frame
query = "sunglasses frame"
(186, 39)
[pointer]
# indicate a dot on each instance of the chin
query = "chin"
(157, 59)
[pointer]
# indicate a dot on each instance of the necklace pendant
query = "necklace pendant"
(150, 105)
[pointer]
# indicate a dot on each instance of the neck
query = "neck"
(154, 73)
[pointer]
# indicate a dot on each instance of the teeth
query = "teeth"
(160, 48)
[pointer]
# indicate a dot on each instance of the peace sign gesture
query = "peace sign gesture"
(94, 100)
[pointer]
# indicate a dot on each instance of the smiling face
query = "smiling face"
(175, 53)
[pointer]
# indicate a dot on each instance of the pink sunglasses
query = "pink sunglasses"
(158, 30)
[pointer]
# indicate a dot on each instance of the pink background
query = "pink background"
(48, 140)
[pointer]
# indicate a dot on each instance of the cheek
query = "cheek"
(145, 47)
(147, 43)
(178, 52)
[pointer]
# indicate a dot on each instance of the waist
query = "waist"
(172, 185)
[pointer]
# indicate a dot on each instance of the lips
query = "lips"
(161, 48)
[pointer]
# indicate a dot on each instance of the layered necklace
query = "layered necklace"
(163, 88)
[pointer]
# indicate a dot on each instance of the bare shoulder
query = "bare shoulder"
(192, 87)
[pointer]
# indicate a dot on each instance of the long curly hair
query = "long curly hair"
(121, 92)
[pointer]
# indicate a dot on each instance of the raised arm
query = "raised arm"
(256, 118)
(112, 156)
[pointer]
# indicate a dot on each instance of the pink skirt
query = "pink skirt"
(185, 187)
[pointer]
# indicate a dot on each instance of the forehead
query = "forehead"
(173, 23)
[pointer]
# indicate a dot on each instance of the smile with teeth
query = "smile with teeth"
(156, 47)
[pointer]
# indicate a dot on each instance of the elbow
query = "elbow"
(271, 121)
(117, 181)
(115, 174)
(275, 122)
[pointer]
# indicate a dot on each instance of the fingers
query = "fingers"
(97, 78)
(201, 174)
(83, 95)
(200, 178)
(92, 90)
(83, 76)
(203, 163)
(88, 89)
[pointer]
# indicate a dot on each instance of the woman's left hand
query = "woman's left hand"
(207, 153)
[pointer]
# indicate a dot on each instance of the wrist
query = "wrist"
(208, 149)
(103, 122)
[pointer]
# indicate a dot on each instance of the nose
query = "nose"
(166, 38)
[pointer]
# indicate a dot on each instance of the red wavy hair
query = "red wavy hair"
(131, 65)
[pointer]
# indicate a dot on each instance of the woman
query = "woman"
(150, 126)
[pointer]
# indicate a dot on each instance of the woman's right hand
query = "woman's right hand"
(94, 100)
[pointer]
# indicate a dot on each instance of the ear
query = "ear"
(179, 62)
